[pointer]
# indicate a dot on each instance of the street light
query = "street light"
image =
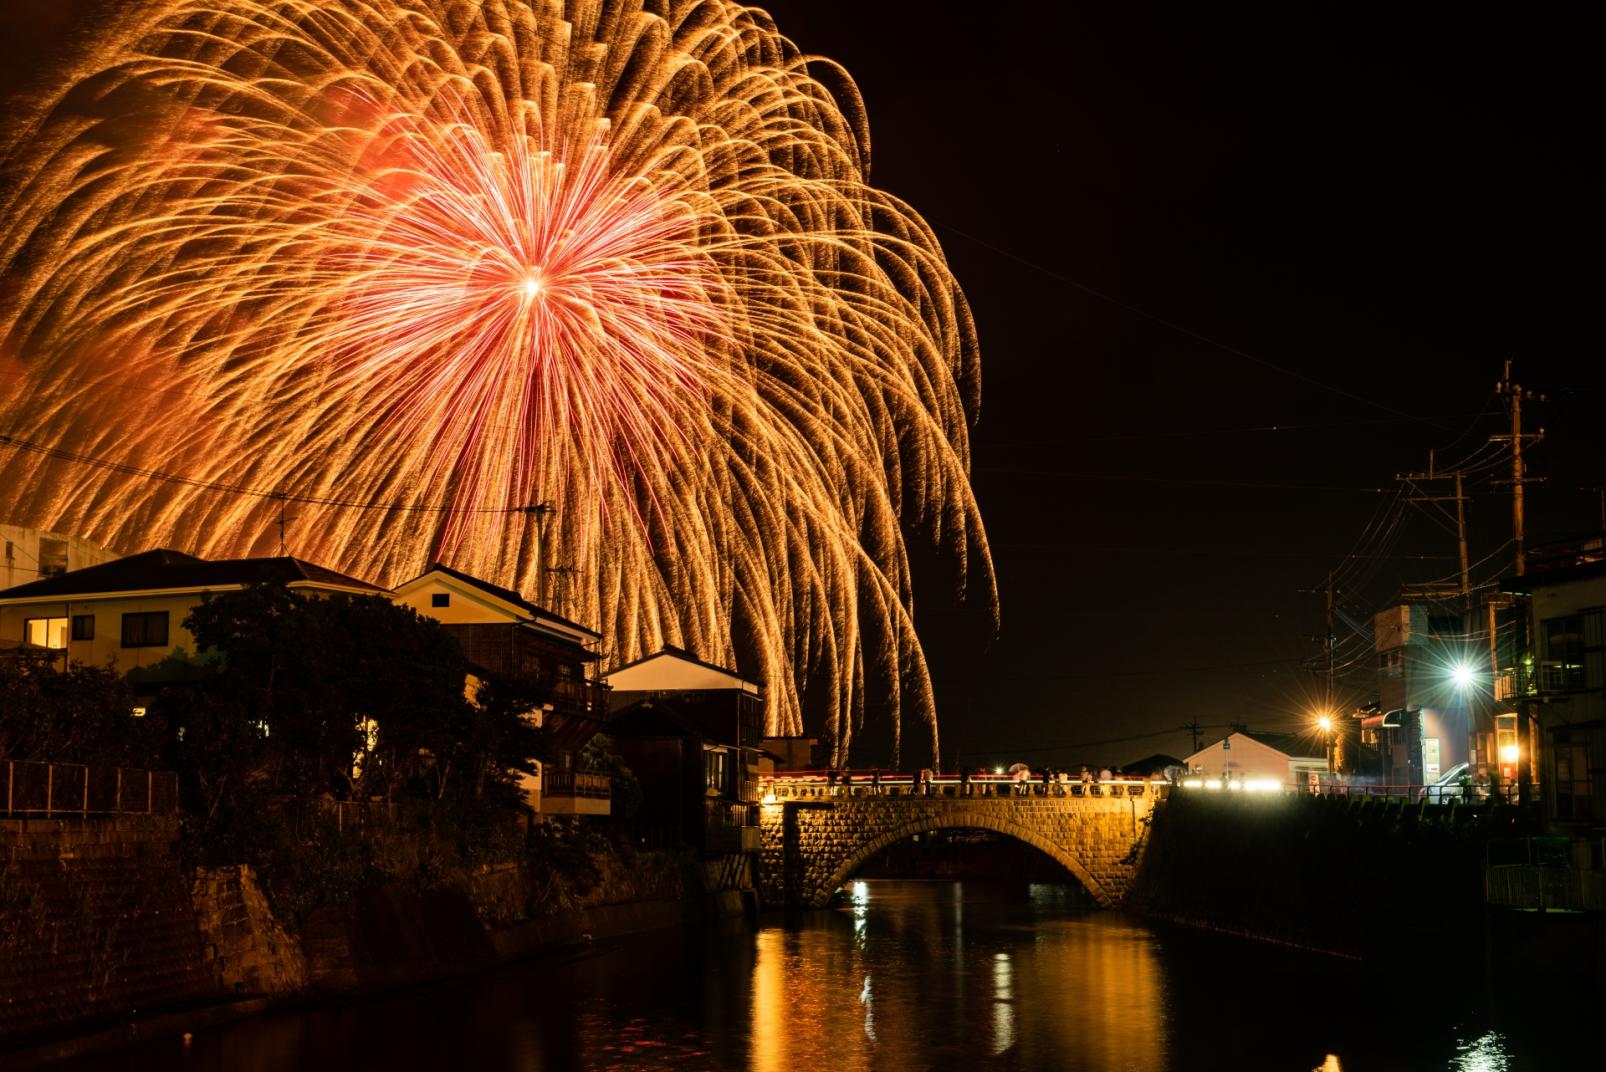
(1463, 675)
(1325, 724)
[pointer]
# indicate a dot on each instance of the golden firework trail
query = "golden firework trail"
(423, 266)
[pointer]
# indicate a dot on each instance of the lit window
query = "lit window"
(715, 767)
(46, 632)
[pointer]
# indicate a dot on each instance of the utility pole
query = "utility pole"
(560, 587)
(1328, 645)
(1515, 392)
(282, 519)
(540, 511)
(1460, 500)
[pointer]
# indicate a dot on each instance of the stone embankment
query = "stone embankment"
(1358, 877)
(102, 930)
(95, 920)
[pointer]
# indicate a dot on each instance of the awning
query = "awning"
(1388, 720)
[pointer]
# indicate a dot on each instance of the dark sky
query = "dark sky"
(1176, 225)
(1177, 229)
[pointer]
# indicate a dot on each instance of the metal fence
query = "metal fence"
(52, 789)
(1535, 886)
(1544, 873)
(1433, 794)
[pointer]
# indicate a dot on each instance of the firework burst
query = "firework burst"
(450, 261)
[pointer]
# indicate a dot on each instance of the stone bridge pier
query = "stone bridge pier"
(811, 846)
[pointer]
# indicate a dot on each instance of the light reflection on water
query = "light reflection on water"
(905, 976)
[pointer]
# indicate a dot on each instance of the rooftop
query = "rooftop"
(166, 569)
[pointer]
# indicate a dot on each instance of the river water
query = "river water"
(906, 976)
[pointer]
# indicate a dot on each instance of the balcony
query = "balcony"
(568, 792)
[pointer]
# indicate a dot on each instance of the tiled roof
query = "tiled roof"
(166, 568)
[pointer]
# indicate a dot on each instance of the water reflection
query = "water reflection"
(905, 976)
(1028, 977)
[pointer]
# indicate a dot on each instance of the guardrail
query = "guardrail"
(812, 785)
(1433, 794)
(51, 789)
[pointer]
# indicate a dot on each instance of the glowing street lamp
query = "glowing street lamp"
(1324, 722)
(1463, 676)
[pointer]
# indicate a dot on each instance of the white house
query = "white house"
(1245, 756)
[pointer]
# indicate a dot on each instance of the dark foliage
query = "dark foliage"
(76, 715)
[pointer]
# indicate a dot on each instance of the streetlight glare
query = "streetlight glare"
(1325, 723)
(1463, 676)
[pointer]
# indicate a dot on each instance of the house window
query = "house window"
(45, 632)
(52, 557)
(716, 766)
(1572, 655)
(440, 599)
(83, 627)
(1573, 775)
(146, 629)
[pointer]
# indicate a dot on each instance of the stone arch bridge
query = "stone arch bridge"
(814, 837)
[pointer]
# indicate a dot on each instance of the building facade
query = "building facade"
(693, 732)
(130, 612)
(503, 635)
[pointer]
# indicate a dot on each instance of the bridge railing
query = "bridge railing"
(828, 784)
(1433, 794)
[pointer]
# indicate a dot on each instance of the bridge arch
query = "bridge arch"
(811, 846)
(861, 853)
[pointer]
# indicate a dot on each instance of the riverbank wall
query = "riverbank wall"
(104, 933)
(1382, 880)
(96, 919)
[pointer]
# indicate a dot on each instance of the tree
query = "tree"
(83, 714)
(353, 697)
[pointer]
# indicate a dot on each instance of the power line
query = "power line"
(1177, 480)
(1156, 672)
(62, 454)
(1201, 432)
(1208, 551)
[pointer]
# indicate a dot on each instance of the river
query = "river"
(906, 976)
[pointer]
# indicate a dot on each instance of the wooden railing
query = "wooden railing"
(568, 783)
(60, 789)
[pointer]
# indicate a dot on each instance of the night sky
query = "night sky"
(1179, 229)
(1232, 272)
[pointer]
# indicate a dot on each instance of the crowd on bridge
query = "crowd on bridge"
(1019, 781)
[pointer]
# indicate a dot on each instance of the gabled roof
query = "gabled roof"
(1150, 764)
(1289, 744)
(167, 570)
(504, 595)
(682, 655)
